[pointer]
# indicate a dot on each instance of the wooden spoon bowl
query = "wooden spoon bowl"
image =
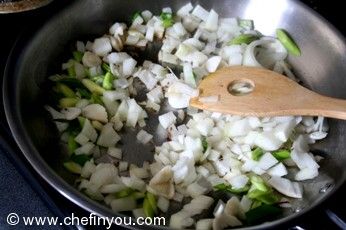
(252, 91)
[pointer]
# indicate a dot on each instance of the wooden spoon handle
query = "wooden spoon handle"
(325, 106)
(272, 95)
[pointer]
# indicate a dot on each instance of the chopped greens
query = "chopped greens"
(124, 193)
(93, 87)
(149, 205)
(204, 144)
(288, 42)
(257, 153)
(246, 24)
(262, 213)
(135, 15)
(78, 56)
(105, 67)
(228, 188)
(80, 159)
(167, 19)
(108, 81)
(282, 154)
(243, 39)
(71, 144)
(67, 102)
(73, 167)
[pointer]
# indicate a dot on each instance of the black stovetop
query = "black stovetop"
(24, 192)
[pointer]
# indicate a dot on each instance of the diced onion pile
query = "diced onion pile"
(247, 158)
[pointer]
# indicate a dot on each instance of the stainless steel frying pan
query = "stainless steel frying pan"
(322, 67)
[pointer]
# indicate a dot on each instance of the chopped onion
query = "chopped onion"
(144, 137)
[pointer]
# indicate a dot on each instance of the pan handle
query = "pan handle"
(335, 218)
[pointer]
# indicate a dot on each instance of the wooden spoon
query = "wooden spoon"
(250, 91)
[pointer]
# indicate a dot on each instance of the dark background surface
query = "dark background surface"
(23, 191)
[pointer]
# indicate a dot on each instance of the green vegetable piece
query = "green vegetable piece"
(262, 213)
(108, 81)
(78, 56)
(239, 190)
(148, 210)
(96, 99)
(81, 121)
(106, 67)
(67, 102)
(98, 79)
(84, 93)
(71, 71)
(228, 188)
(152, 201)
(246, 24)
(72, 145)
(138, 195)
(268, 197)
(221, 187)
(124, 193)
(256, 204)
(194, 75)
(257, 153)
(258, 183)
(167, 19)
(80, 159)
(281, 155)
(204, 144)
(73, 167)
(287, 41)
(243, 39)
(93, 87)
(65, 90)
(135, 15)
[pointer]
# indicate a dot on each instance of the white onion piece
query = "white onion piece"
(162, 183)
(144, 137)
(117, 29)
(108, 137)
(167, 119)
(204, 224)
(213, 63)
(95, 112)
(212, 21)
(179, 95)
(267, 161)
(278, 170)
(134, 111)
(188, 75)
(55, 114)
(129, 65)
(71, 113)
(102, 46)
(114, 152)
(267, 141)
(163, 204)
(286, 187)
(88, 132)
(185, 10)
(85, 149)
(249, 58)
(200, 13)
